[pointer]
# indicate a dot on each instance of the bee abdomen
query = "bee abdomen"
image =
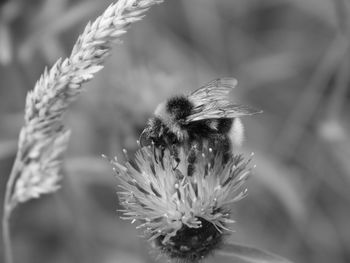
(236, 132)
(224, 125)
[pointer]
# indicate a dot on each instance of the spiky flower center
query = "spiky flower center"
(185, 215)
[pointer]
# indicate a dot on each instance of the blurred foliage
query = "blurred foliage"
(291, 58)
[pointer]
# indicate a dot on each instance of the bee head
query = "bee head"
(152, 132)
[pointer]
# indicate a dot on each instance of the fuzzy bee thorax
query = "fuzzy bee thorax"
(173, 113)
(164, 116)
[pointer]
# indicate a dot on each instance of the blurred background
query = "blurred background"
(291, 58)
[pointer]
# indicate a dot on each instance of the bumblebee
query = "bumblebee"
(203, 118)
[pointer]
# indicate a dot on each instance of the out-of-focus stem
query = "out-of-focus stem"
(338, 97)
(342, 11)
(241, 253)
(7, 236)
(7, 210)
(309, 99)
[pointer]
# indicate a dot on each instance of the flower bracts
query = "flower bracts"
(185, 216)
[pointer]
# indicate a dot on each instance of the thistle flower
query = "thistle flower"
(185, 217)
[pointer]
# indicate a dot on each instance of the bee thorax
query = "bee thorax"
(160, 110)
(167, 113)
(179, 108)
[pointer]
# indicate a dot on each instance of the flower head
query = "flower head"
(185, 216)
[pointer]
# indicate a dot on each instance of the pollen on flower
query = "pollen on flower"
(186, 217)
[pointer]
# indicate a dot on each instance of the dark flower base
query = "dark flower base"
(191, 244)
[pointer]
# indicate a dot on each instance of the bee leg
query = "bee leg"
(221, 144)
(174, 152)
(226, 147)
(160, 157)
(161, 154)
(191, 159)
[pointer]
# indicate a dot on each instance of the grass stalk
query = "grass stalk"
(7, 210)
(7, 236)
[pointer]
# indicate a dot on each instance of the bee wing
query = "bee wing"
(218, 111)
(215, 90)
(210, 102)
